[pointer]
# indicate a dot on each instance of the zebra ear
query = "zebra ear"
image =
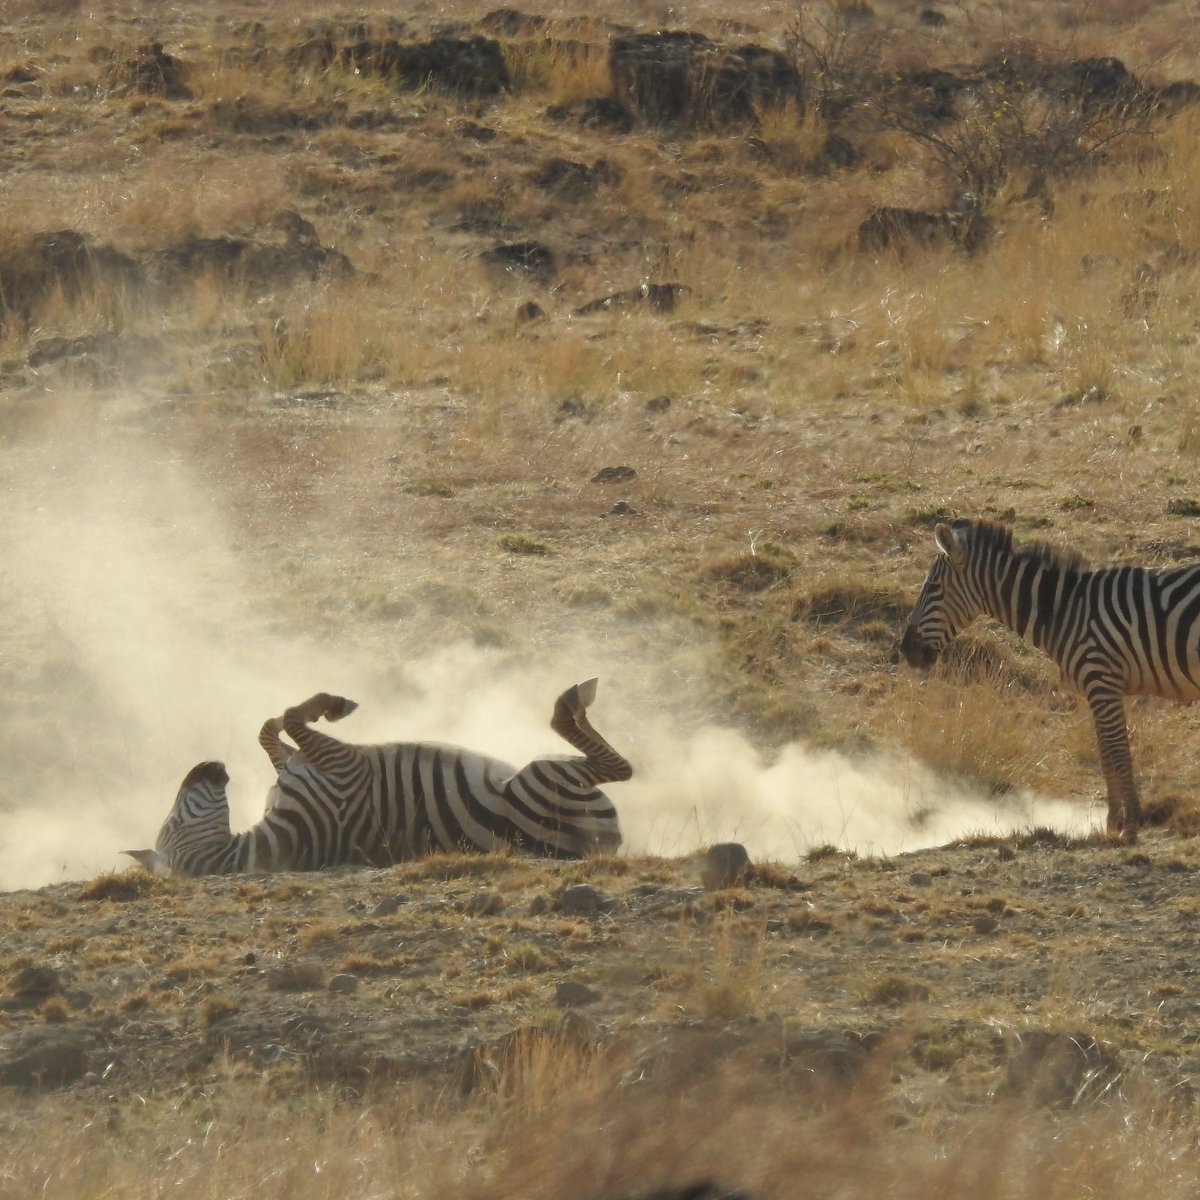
(950, 543)
(151, 860)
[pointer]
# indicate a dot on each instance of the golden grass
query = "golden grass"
(557, 1120)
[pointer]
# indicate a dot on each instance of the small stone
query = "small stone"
(725, 865)
(389, 904)
(485, 904)
(581, 899)
(623, 508)
(570, 993)
(614, 475)
(344, 982)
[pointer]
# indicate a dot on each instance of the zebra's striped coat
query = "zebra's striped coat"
(336, 803)
(1114, 631)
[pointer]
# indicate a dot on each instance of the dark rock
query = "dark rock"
(574, 180)
(725, 865)
(681, 78)
(389, 904)
(532, 258)
(61, 259)
(284, 250)
(704, 1189)
(836, 1053)
(597, 112)
(485, 904)
(471, 66)
(581, 899)
(152, 72)
(45, 1060)
(474, 131)
(570, 993)
(1172, 97)
(662, 297)
(928, 94)
(1094, 82)
(614, 475)
(37, 982)
(108, 349)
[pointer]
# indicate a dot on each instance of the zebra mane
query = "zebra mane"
(998, 536)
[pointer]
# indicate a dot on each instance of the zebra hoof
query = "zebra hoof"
(577, 699)
(340, 707)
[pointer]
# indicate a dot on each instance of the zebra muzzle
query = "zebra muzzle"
(919, 655)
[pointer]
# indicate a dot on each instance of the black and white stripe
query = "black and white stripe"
(335, 803)
(1114, 632)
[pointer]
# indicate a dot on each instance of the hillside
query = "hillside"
(444, 358)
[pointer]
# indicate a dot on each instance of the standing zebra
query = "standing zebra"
(336, 803)
(1114, 632)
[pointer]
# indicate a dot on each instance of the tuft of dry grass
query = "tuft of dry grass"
(134, 884)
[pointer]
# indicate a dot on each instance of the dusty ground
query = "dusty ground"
(940, 961)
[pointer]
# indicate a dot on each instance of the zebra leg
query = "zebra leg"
(332, 708)
(278, 751)
(1112, 734)
(570, 722)
(323, 752)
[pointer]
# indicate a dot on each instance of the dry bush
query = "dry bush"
(123, 886)
(989, 729)
(329, 335)
(560, 71)
(179, 196)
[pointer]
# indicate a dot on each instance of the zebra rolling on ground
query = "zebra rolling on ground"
(1113, 631)
(337, 804)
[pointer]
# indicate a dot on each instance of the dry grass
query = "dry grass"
(574, 1124)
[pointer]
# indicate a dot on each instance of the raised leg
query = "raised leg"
(278, 751)
(321, 751)
(570, 721)
(1124, 808)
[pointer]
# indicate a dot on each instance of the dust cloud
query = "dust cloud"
(138, 641)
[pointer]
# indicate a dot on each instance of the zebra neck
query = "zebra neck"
(1031, 597)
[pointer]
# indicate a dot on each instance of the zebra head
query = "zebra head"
(949, 599)
(199, 819)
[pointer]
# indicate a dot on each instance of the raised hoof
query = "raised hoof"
(578, 699)
(339, 707)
